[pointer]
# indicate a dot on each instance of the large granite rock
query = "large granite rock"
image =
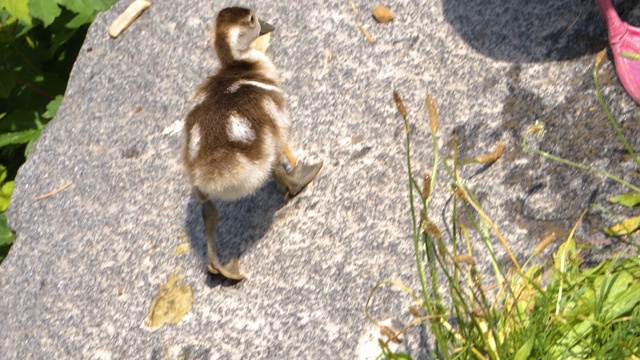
(87, 262)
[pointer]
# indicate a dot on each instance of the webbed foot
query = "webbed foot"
(299, 177)
(230, 270)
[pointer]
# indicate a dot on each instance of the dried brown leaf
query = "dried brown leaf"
(382, 14)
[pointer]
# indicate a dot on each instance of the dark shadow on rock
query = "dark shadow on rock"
(241, 224)
(551, 195)
(532, 31)
(214, 281)
(577, 130)
(424, 343)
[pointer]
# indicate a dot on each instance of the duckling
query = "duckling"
(236, 132)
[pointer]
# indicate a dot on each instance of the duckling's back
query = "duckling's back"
(235, 131)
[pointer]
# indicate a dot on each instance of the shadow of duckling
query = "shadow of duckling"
(242, 223)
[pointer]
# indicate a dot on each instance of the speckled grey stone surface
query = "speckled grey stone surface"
(79, 281)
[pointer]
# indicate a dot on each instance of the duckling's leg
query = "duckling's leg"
(299, 177)
(290, 157)
(231, 270)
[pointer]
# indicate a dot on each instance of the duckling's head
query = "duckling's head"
(236, 28)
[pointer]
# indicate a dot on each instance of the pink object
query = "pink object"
(623, 38)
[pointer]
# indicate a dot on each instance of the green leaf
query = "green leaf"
(105, 4)
(21, 119)
(79, 20)
(5, 195)
(101, 5)
(59, 39)
(30, 144)
(52, 108)
(7, 83)
(45, 10)
(15, 27)
(3, 173)
(6, 236)
(18, 9)
(525, 349)
(86, 7)
(19, 137)
(625, 301)
(628, 200)
(565, 255)
(77, 6)
(610, 287)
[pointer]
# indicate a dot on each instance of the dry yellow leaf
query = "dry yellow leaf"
(171, 304)
(626, 227)
(388, 332)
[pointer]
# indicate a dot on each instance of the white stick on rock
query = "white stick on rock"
(127, 17)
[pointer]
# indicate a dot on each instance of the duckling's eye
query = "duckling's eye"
(252, 19)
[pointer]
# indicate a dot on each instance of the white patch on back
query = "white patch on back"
(239, 129)
(279, 115)
(194, 142)
(244, 178)
(233, 88)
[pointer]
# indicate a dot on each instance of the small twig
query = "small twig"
(51, 193)
(353, 7)
(366, 34)
(26, 60)
(356, 14)
(573, 24)
(327, 58)
(34, 88)
(122, 22)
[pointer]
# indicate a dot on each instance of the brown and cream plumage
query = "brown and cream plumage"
(236, 132)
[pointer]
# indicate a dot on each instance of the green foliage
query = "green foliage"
(628, 200)
(6, 188)
(45, 10)
(390, 355)
(595, 312)
(563, 311)
(39, 42)
(6, 237)
(19, 9)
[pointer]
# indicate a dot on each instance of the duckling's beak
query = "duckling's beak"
(265, 27)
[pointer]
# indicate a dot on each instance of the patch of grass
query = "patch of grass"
(39, 43)
(529, 311)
